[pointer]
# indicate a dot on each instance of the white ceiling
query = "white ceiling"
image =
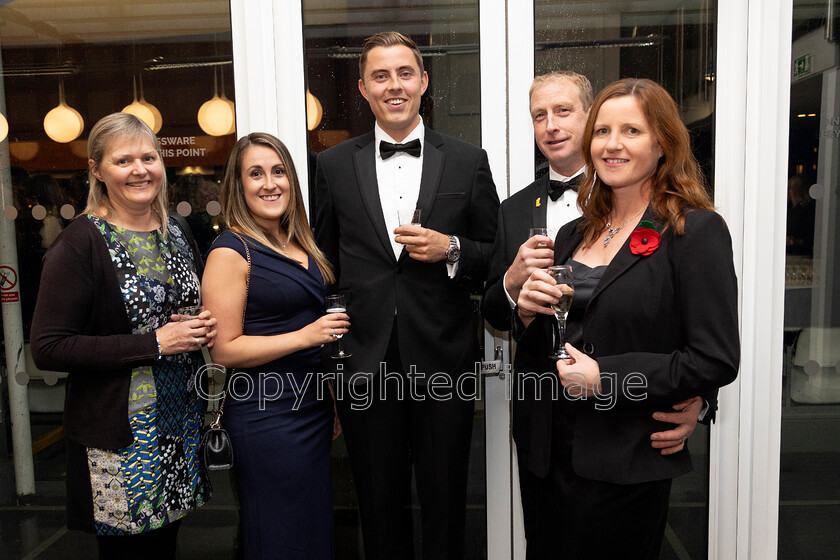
(50, 22)
(53, 22)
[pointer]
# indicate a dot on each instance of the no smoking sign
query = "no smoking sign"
(8, 285)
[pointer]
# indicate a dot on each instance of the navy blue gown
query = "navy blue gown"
(280, 418)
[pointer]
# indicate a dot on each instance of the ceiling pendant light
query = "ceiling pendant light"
(314, 111)
(4, 127)
(216, 116)
(230, 104)
(140, 110)
(63, 123)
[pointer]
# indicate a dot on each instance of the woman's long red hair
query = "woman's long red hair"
(677, 184)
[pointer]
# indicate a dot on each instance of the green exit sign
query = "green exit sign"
(802, 66)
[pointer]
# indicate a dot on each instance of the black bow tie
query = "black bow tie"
(386, 149)
(557, 188)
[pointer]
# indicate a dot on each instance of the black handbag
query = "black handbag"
(215, 448)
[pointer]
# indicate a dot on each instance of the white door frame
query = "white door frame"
(269, 76)
(507, 68)
(751, 154)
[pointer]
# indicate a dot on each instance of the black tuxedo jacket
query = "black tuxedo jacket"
(517, 215)
(434, 314)
(669, 320)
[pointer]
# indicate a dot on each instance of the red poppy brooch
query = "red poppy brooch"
(644, 240)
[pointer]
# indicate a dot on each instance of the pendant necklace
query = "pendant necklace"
(612, 231)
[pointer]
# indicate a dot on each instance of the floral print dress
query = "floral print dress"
(158, 478)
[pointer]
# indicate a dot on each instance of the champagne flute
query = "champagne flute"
(548, 232)
(337, 304)
(563, 275)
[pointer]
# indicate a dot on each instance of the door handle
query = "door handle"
(494, 367)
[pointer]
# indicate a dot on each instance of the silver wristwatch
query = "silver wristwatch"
(454, 251)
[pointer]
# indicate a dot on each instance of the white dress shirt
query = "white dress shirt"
(398, 178)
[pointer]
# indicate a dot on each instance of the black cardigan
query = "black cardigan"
(81, 326)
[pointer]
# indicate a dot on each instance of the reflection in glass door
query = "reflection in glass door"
(448, 38)
(163, 62)
(672, 43)
(809, 491)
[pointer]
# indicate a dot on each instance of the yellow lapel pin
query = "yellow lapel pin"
(538, 202)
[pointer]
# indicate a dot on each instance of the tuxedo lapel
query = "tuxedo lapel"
(623, 260)
(364, 161)
(540, 202)
(433, 159)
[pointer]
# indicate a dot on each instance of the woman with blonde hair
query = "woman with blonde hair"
(267, 281)
(653, 321)
(110, 311)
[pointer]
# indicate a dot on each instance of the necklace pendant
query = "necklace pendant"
(610, 233)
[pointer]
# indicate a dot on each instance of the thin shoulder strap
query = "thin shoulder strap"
(217, 416)
(247, 278)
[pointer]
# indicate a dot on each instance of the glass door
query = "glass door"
(809, 485)
(64, 67)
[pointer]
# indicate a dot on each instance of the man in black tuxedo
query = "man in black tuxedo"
(413, 334)
(559, 106)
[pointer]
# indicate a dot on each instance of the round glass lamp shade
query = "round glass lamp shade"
(63, 123)
(158, 117)
(216, 117)
(4, 127)
(142, 112)
(314, 111)
(232, 112)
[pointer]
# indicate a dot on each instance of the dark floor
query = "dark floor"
(35, 528)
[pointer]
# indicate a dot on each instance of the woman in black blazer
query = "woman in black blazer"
(653, 321)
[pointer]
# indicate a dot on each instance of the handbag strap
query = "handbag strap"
(217, 415)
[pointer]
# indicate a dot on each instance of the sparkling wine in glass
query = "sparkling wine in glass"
(408, 216)
(563, 275)
(337, 304)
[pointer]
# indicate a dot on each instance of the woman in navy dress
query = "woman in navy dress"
(279, 414)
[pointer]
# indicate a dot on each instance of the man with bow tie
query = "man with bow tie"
(559, 106)
(408, 296)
